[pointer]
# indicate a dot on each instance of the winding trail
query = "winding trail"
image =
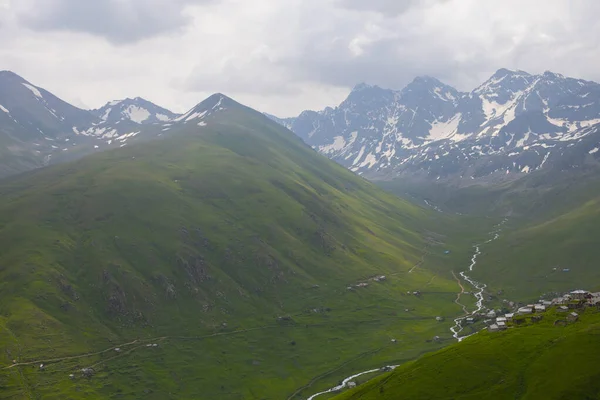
(55, 360)
(421, 261)
(479, 287)
(462, 290)
(143, 344)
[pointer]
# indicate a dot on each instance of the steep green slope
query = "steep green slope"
(541, 361)
(212, 264)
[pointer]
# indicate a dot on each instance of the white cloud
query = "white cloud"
(283, 56)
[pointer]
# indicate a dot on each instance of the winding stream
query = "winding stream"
(349, 379)
(479, 287)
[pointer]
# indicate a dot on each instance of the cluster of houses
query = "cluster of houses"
(567, 303)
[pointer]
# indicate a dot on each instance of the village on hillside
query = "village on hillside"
(568, 304)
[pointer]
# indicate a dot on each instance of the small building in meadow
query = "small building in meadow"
(573, 317)
(524, 310)
(509, 316)
(351, 385)
(493, 328)
(501, 325)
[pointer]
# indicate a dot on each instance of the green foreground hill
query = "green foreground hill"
(215, 263)
(540, 361)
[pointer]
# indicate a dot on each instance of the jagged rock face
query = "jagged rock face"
(513, 124)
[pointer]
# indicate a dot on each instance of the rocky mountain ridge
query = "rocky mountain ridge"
(511, 125)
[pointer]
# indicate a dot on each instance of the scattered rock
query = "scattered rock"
(87, 372)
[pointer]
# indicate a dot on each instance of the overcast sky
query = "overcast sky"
(284, 56)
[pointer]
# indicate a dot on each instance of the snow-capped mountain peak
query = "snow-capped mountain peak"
(513, 123)
(201, 112)
(136, 110)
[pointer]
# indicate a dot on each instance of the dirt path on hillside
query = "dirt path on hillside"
(421, 261)
(462, 291)
(59, 359)
(144, 343)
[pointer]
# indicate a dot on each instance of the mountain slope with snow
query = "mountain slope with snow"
(136, 110)
(37, 128)
(512, 124)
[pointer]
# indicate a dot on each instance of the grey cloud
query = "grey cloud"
(459, 57)
(459, 42)
(387, 7)
(241, 78)
(119, 21)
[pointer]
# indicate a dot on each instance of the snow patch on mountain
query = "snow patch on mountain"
(135, 110)
(339, 143)
(444, 130)
(136, 114)
(36, 92)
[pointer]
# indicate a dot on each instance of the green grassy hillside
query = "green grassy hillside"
(213, 264)
(540, 361)
(530, 260)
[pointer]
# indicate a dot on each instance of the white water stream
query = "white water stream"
(479, 287)
(349, 379)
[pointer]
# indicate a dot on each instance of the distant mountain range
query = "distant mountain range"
(37, 128)
(511, 125)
